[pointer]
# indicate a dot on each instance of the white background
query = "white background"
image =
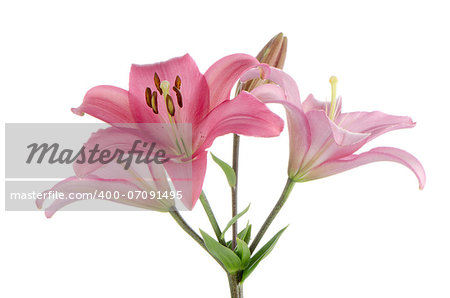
(368, 232)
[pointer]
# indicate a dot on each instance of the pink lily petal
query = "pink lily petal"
(343, 137)
(151, 176)
(194, 90)
(328, 141)
(139, 177)
(114, 138)
(298, 125)
(311, 104)
(223, 74)
(94, 184)
(282, 79)
(245, 115)
(374, 123)
(188, 178)
(377, 154)
(107, 103)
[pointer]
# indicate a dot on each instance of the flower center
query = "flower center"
(163, 88)
(333, 104)
(151, 98)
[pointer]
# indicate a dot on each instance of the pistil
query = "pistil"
(165, 87)
(332, 112)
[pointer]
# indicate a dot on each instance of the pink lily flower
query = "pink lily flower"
(174, 93)
(323, 140)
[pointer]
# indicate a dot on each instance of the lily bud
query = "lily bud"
(273, 54)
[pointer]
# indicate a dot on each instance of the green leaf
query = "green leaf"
(243, 252)
(227, 169)
(261, 254)
(225, 255)
(233, 220)
(246, 233)
(243, 235)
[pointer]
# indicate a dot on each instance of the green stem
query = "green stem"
(236, 289)
(283, 198)
(185, 226)
(211, 217)
(234, 190)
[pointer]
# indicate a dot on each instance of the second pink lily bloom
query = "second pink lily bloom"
(323, 140)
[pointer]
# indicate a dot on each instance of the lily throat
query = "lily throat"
(163, 89)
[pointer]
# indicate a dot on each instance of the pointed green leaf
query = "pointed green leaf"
(246, 233)
(243, 235)
(261, 254)
(225, 255)
(233, 220)
(243, 252)
(227, 169)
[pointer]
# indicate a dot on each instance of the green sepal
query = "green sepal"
(243, 252)
(233, 220)
(225, 255)
(227, 169)
(261, 254)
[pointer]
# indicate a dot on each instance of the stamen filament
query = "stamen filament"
(163, 88)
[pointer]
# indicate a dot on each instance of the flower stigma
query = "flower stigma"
(165, 87)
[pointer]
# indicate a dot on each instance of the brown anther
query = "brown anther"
(179, 97)
(154, 102)
(170, 106)
(148, 96)
(157, 83)
(178, 82)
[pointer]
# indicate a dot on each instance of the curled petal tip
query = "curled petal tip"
(422, 182)
(49, 213)
(77, 111)
(408, 120)
(39, 203)
(261, 71)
